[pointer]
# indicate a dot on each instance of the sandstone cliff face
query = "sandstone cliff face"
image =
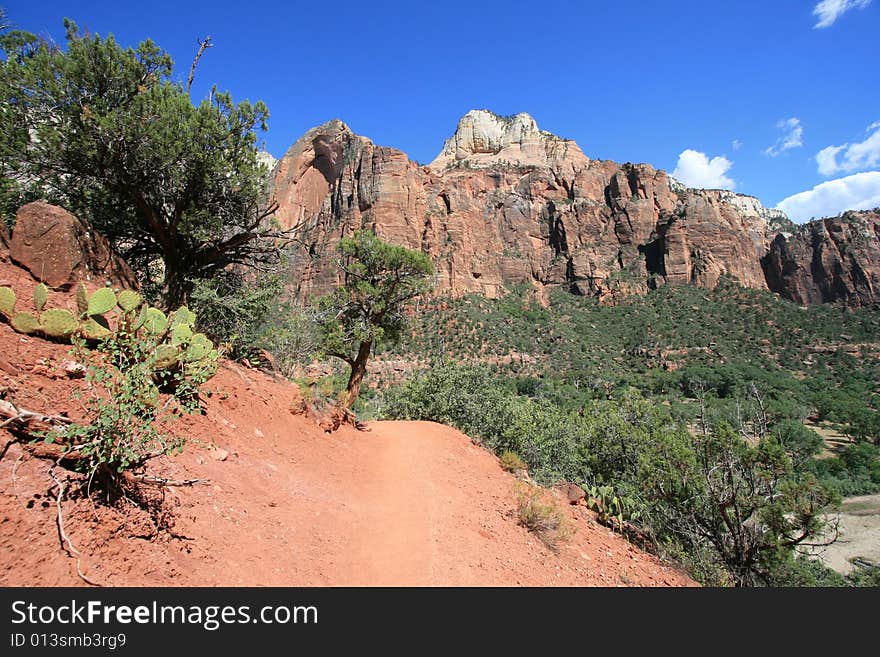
(834, 259)
(506, 203)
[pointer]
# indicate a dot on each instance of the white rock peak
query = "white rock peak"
(484, 138)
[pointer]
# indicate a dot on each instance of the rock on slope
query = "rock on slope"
(506, 203)
(60, 249)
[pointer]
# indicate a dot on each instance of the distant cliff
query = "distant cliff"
(507, 203)
(835, 259)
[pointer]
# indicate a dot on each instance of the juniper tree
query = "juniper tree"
(106, 131)
(379, 280)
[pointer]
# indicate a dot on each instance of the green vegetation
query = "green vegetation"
(252, 319)
(142, 355)
(511, 462)
(380, 279)
(609, 507)
(107, 133)
(691, 407)
(743, 508)
(175, 343)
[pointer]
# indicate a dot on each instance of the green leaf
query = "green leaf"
(181, 334)
(183, 316)
(155, 322)
(58, 322)
(25, 323)
(82, 298)
(95, 328)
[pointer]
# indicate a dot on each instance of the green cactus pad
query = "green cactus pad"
(199, 348)
(95, 328)
(128, 300)
(58, 323)
(181, 334)
(25, 322)
(183, 316)
(141, 318)
(41, 296)
(166, 356)
(155, 322)
(82, 298)
(101, 301)
(7, 301)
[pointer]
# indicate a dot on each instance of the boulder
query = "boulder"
(571, 492)
(59, 249)
(4, 242)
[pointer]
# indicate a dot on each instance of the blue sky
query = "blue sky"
(743, 95)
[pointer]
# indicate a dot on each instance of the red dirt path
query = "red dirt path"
(403, 503)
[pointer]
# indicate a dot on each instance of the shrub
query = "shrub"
(543, 518)
(511, 462)
(855, 471)
(140, 358)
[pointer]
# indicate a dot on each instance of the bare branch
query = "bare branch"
(204, 44)
(161, 481)
(15, 414)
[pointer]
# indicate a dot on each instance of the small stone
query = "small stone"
(219, 454)
(8, 368)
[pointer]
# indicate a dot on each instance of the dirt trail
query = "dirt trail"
(399, 506)
(403, 503)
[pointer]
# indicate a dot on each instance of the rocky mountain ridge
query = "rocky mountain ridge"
(505, 203)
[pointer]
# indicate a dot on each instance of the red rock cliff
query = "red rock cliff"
(506, 203)
(834, 259)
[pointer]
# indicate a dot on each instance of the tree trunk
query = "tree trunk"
(358, 370)
(175, 289)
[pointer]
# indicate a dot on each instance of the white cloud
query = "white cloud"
(793, 137)
(695, 169)
(736, 144)
(861, 155)
(827, 160)
(828, 11)
(860, 191)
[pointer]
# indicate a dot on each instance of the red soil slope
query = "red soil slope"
(402, 503)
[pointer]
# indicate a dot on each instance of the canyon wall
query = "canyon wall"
(506, 203)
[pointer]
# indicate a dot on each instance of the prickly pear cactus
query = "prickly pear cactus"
(128, 300)
(155, 322)
(102, 301)
(25, 323)
(95, 328)
(183, 316)
(58, 323)
(176, 344)
(82, 299)
(7, 301)
(41, 296)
